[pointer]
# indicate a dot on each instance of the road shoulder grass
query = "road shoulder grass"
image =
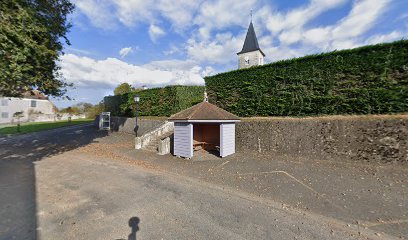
(40, 126)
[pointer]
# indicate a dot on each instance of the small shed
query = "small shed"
(204, 126)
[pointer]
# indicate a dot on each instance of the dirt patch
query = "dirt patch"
(106, 150)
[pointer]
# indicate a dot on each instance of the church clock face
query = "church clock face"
(246, 60)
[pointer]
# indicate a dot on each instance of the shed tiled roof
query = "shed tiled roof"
(204, 111)
(251, 42)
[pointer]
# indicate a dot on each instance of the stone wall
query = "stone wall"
(127, 125)
(254, 58)
(360, 138)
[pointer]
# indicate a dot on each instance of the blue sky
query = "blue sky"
(162, 42)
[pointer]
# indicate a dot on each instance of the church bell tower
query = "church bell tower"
(251, 54)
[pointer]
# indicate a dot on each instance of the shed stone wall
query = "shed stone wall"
(183, 137)
(127, 125)
(227, 139)
(381, 139)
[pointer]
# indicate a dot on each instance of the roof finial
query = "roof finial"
(251, 15)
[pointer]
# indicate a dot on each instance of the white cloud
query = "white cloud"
(361, 18)
(125, 51)
(290, 28)
(179, 66)
(299, 17)
(221, 50)
(98, 12)
(130, 12)
(209, 27)
(169, 65)
(179, 12)
(172, 50)
(380, 38)
(211, 32)
(89, 72)
(222, 14)
(290, 37)
(155, 32)
(206, 47)
(79, 51)
(348, 32)
(78, 94)
(317, 36)
(208, 71)
(107, 14)
(285, 52)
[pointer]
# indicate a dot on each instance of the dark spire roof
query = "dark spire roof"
(251, 42)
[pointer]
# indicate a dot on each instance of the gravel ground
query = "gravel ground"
(83, 184)
(370, 196)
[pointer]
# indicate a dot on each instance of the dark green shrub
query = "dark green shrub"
(366, 80)
(156, 101)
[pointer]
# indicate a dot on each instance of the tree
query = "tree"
(86, 107)
(122, 89)
(95, 110)
(83, 106)
(71, 110)
(32, 34)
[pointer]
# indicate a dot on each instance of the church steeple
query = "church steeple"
(251, 54)
(251, 41)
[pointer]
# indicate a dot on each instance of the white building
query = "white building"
(251, 54)
(204, 126)
(34, 106)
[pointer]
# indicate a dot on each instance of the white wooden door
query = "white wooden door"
(227, 139)
(183, 139)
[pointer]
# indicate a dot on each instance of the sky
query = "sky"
(166, 42)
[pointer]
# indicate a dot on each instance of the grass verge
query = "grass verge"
(40, 126)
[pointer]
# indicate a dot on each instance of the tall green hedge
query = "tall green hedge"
(366, 80)
(156, 101)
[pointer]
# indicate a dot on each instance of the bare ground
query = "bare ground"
(85, 184)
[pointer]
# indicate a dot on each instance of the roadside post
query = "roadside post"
(137, 99)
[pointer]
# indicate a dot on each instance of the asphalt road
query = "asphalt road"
(53, 188)
(18, 180)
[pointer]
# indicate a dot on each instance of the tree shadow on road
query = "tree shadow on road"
(17, 174)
